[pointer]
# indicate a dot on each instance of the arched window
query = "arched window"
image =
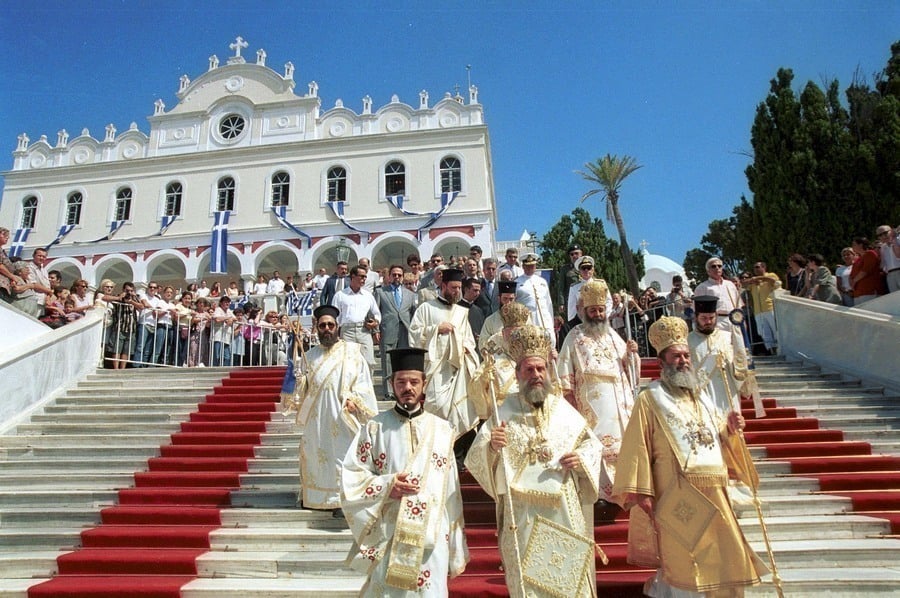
(337, 184)
(73, 208)
(281, 189)
(225, 196)
(123, 204)
(451, 175)
(29, 211)
(395, 179)
(173, 199)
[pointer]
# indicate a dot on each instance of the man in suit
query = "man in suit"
(335, 283)
(471, 289)
(489, 299)
(397, 304)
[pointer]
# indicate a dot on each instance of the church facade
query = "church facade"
(243, 175)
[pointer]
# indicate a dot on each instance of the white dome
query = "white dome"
(659, 269)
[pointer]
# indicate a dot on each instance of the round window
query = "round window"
(232, 126)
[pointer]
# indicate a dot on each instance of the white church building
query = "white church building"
(244, 169)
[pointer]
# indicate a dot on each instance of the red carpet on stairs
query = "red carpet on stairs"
(147, 545)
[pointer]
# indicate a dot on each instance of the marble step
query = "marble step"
(114, 481)
(830, 392)
(175, 399)
(117, 440)
(49, 429)
(159, 416)
(116, 464)
(834, 582)
(818, 553)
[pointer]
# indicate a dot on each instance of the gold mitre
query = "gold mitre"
(668, 331)
(593, 292)
(528, 341)
(514, 314)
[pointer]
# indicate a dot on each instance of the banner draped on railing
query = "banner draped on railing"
(281, 214)
(18, 242)
(218, 255)
(114, 227)
(338, 208)
(164, 224)
(446, 200)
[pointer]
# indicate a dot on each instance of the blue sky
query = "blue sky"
(674, 84)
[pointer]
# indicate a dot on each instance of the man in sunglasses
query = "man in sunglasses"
(718, 286)
(334, 397)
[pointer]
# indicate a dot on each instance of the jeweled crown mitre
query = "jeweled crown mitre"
(528, 341)
(668, 331)
(514, 314)
(593, 292)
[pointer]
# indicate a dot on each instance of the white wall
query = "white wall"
(856, 342)
(40, 366)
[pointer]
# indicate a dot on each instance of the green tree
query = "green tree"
(822, 172)
(588, 232)
(608, 173)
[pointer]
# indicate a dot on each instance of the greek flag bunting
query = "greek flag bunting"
(338, 208)
(114, 226)
(165, 223)
(300, 304)
(64, 230)
(218, 255)
(446, 200)
(281, 215)
(18, 243)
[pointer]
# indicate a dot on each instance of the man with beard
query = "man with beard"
(722, 364)
(403, 504)
(595, 366)
(441, 327)
(333, 397)
(540, 461)
(673, 472)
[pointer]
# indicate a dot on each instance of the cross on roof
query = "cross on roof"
(238, 44)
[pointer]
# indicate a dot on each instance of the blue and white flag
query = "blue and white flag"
(218, 256)
(64, 230)
(164, 224)
(239, 302)
(281, 214)
(446, 200)
(338, 208)
(300, 304)
(114, 226)
(18, 243)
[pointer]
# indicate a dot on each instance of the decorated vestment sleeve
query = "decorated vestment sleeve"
(459, 549)
(634, 472)
(479, 389)
(359, 391)
(365, 497)
(482, 463)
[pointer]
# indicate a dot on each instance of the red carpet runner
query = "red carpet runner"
(147, 545)
(843, 468)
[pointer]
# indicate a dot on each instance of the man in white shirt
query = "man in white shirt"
(533, 292)
(359, 314)
(38, 274)
(512, 264)
(276, 284)
(724, 290)
(145, 349)
(889, 249)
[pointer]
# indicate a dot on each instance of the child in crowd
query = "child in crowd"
(71, 314)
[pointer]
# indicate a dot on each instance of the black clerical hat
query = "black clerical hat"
(705, 304)
(326, 310)
(453, 275)
(407, 359)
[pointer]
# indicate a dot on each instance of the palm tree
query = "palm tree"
(608, 173)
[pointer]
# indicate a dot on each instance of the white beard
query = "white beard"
(686, 379)
(535, 395)
(596, 329)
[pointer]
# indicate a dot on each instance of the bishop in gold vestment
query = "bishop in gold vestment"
(541, 464)
(673, 474)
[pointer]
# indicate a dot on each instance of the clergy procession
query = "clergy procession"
(553, 424)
